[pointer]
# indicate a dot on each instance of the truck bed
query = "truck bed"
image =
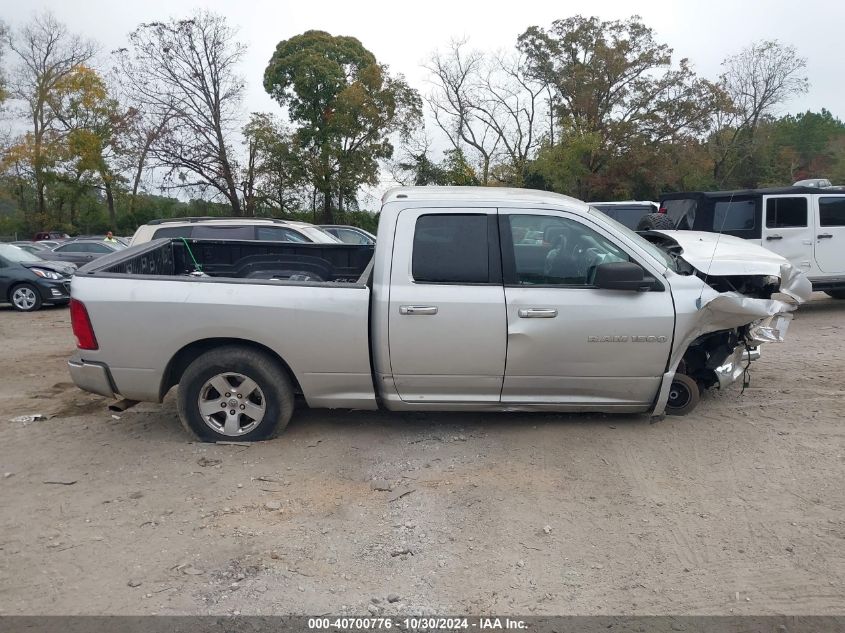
(239, 259)
(306, 303)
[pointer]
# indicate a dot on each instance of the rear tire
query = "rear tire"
(253, 386)
(836, 294)
(25, 298)
(655, 222)
(684, 395)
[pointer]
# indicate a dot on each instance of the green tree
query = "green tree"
(47, 54)
(616, 95)
(416, 165)
(275, 171)
(96, 128)
(808, 145)
(346, 106)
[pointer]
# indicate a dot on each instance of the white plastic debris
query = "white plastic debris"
(26, 419)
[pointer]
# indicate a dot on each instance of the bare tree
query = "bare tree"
(4, 38)
(143, 133)
(46, 55)
(757, 80)
(512, 104)
(183, 73)
(455, 100)
(490, 107)
(413, 164)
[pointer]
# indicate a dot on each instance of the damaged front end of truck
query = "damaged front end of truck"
(731, 297)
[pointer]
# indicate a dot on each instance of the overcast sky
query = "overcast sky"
(403, 34)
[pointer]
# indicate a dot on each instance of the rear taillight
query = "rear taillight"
(662, 210)
(81, 324)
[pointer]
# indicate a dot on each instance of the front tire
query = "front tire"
(684, 395)
(25, 298)
(235, 393)
(836, 294)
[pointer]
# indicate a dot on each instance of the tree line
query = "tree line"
(100, 140)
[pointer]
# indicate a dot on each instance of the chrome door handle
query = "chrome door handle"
(537, 313)
(824, 236)
(774, 237)
(417, 310)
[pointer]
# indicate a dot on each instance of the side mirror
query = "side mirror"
(622, 276)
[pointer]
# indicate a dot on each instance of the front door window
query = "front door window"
(556, 251)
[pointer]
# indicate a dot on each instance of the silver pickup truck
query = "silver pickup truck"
(472, 299)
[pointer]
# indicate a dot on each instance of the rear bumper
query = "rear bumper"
(93, 377)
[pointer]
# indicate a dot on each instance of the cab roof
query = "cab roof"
(491, 195)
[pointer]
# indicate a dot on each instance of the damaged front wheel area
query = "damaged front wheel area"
(684, 395)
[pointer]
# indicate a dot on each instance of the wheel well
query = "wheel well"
(20, 283)
(188, 354)
(706, 353)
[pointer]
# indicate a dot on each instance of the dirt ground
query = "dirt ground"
(736, 508)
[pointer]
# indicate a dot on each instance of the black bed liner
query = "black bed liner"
(238, 259)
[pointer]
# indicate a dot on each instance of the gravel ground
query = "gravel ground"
(737, 508)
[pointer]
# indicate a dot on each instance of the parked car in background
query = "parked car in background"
(212, 228)
(349, 234)
(50, 244)
(628, 212)
(50, 235)
(80, 251)
(32, 247)
(451, 310)
(818, 183)
(115, 238)
(28, 282)
(804, 224)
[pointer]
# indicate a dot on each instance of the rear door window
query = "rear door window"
(73, 248)
(173, 231)
(223, 232)
(629, 215)
(782, 213)
(681, 212)
(832, 211)
(451, 248)
(733, 215)
(351, 237)
(279, 234)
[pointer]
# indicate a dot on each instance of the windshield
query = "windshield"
(659, 254)
(15, 254)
